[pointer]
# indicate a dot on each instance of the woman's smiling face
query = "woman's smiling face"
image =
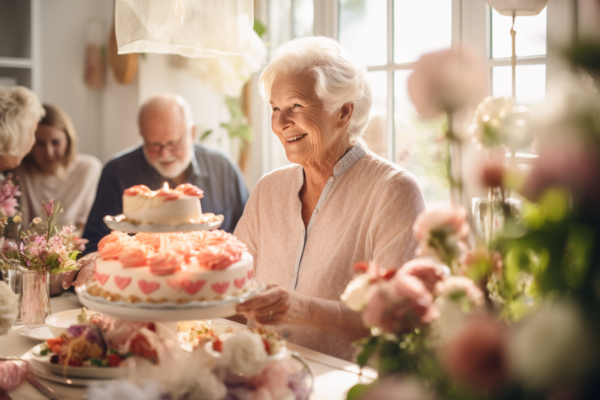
(306, 130)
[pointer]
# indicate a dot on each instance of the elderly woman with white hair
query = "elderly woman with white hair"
(20, 111)
(308, 223)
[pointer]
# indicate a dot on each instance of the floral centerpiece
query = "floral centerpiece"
(514, 316)
(43, 246)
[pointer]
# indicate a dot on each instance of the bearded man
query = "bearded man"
(168, 154)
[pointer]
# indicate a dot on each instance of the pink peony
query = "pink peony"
(569, 164)
(399, 305)
(477, 354)
(272, 383)
(447, 80)
(451, 216)
(427, 270)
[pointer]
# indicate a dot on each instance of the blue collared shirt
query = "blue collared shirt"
(224, 189)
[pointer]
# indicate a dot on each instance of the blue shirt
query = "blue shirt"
(224, 189)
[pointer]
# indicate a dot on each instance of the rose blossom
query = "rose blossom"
(399, 305)
(8, 308)
(244, 353)
(427, 270)
(447, 80)
(452, 216)
(477, 355)
(355, 294)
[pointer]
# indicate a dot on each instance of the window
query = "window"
(390, 35)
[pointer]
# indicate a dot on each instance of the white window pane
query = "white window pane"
(418, 148)
(421, 27)
(363, 29)
(376, 134)
(280, 21)
(530, 39)
(530, 83)
(304, 16)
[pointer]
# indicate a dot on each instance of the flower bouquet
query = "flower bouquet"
(514, 315)
(43, 250)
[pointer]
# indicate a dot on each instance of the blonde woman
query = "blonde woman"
(20, 111)
(54, 170)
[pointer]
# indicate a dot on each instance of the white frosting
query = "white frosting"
(190, 283)
(156, 210)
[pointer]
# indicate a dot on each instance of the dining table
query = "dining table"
(333, 377)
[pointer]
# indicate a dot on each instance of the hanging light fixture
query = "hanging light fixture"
(515, 8)
(518, 8)
(190, 28)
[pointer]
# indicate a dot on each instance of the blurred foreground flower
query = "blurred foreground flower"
(477, 355)
(427, 270)
(447, 81)
(399, 388)
(552, 347)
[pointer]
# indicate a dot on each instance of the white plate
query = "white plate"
(42, 373)
(168, 311)
(38, 335)
(76, 372)
(119, 223)
(59, 322)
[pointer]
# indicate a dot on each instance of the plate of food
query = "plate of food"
(100, 348)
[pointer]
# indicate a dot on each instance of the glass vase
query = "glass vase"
(33, 291)
(490, 214)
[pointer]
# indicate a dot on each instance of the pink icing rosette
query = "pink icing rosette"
(114, 237)
(190, 190)
(134, 256)
(137, 189)
(149, 239)
(182, 248)
(165, 263)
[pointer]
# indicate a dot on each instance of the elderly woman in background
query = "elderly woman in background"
(54, 170)
(20, 111)
(307, 224)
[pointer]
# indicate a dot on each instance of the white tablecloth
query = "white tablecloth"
(333, 377)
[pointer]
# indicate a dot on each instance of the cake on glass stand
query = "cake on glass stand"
(177, 267)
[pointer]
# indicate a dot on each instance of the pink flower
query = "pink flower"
(272, 383)
(8, 206)
(568, 164)
(451, 216)
(427, 270)
(399, 305)
(399, 388)
(493, 169)
(447, 80)
(477, 354)
(454, 287)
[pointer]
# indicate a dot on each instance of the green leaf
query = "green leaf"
(205, 135)
(259, 28)
(60, 270)
(74, 254)
(359, 390)
(52, 260)
(368, 349)
(96, 362)
(44, 352)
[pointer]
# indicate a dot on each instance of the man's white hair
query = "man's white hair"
(20, 111)
(168, 98)
(340, 79)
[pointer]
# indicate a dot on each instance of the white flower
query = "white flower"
(37, 220)
(553, 346)
(8, 308)
(355, 295)
(227, 74)
(244, 353)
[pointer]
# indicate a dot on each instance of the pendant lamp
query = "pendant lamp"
(190, 28)
(518, 8)
(515, 8)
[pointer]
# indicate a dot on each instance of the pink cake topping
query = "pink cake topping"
(168, 194)
(112, 250)
(190, 190)
(112, 238)
(137, 189)
(149, 239)
(220, 250)
(134, 256)
(165, 263)
(182, 248)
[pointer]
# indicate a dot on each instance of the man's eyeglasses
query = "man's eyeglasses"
(170, 146)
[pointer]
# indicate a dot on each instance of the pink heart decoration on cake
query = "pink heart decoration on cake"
(102, 278)
(239, 282)
(250, 272)
(220, 287)
(193, 287)
(122, 281)
(174, 283)
(148, 287)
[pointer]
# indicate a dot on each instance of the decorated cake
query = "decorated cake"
(204, 265)
(164, 206)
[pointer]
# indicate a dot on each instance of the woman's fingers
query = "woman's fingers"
(85, 275)
(80, 243)
(85, 270)
(268, 298)
(67, 279)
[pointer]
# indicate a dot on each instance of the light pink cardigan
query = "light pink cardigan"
(365, 213)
